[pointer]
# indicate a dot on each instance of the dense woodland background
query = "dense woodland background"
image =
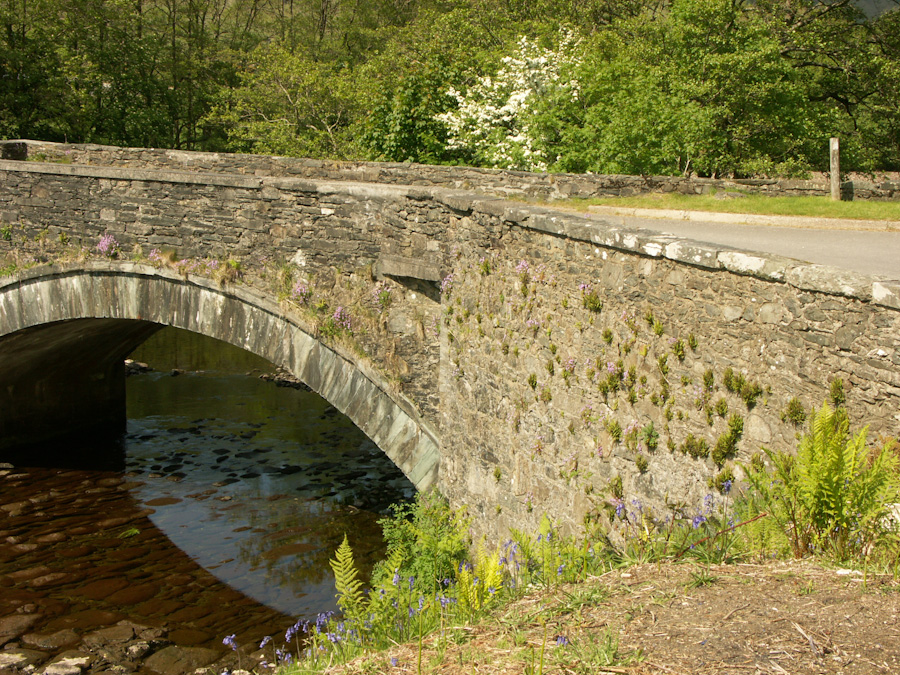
(710, 87)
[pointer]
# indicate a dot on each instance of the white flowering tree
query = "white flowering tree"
(494, 120)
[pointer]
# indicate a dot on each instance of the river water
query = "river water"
(234, 495)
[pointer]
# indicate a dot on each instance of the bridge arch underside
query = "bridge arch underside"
(66, 333)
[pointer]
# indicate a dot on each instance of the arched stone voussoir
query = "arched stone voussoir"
(239, 315)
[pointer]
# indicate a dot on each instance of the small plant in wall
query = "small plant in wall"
(338, 323)
(642, 463)
(697, 448)
(726, 445)
(794, 412)
(722, 481)
(382, 295)
(108, 246)
(736, 383)
(301, 293)
(650, 437)
(836, 393)
(589, 298)
(447, 286)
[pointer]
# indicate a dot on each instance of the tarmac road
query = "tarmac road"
(821, 241)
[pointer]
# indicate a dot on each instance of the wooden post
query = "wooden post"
(835, 148)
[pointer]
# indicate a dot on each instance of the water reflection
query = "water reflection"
(256, 483)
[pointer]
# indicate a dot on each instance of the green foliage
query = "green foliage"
(641, 463)
(614, 429)
(532, 381)
(591, 301)
(428, 537)
(650, 437)
(836, 392)
(346, 582)
(794, 412)
(723, 480)
(697, 448)
(678, 349)
(736, 383)
(721, 407)
(662, 362)
(726, 444)
(834, 497)
(289, 104)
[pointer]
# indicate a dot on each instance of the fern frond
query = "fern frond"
(349, 588)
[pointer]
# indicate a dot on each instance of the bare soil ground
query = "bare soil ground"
(796, 618)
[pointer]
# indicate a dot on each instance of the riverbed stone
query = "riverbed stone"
(14, 625)
(52, 642)
(13, 660)
(176, 660)
(68, 663)
(102, 588)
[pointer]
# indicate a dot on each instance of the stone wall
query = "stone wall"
(509, 184)
(551, 399)
(561, 338)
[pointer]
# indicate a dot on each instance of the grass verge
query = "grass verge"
(810, 207)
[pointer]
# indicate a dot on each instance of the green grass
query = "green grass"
(815, 207)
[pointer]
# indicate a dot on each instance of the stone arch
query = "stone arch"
(126, 302)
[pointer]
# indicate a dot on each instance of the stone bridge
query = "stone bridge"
(523, 359)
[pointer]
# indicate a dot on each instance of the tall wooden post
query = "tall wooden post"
(835, 148)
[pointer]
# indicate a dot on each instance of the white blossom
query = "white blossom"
(493, 118)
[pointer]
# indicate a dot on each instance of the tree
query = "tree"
(702, 89)
(288, 104)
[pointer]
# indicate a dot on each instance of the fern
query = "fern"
(348, 586)
(835, 495)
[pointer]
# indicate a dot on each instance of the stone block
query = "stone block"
(410, 267)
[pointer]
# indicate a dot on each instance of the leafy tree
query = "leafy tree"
(288, 104)
(701, 89)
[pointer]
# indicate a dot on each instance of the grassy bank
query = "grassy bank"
(699, 589)
(811, 207)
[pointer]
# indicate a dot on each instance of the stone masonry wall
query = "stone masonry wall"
(550, 398)
(561, 338)
(509, 184)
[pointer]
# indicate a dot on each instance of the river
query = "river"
(234, 494)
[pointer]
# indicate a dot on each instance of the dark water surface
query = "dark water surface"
(235, 495)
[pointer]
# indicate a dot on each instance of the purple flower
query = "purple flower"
(228, 641)
(726, 486)
(342, 318)
(561, 640)
(301, 292)
(394, 661)
(698, 520)
(396, 579)
(447, 284)
(266, 640)
(108, 246)
(559, 570)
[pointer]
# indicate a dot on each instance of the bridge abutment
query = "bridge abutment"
(66, 379)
